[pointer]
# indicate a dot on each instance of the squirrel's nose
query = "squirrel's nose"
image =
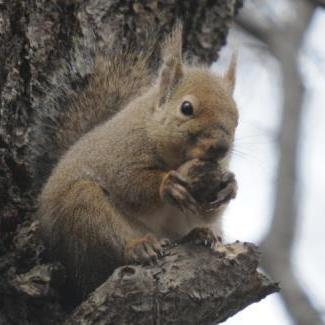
(217, 150)
(209, 149)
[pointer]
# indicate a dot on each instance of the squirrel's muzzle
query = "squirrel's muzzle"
(212, 144)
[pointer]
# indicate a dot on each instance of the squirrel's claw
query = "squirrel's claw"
(201, 236)
(146, 249)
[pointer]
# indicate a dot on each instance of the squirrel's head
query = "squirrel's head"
(195, 115)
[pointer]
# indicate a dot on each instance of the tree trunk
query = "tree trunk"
(37, 38)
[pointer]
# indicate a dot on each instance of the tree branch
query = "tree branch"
(191, 285)
(284, 43)
(320, 3)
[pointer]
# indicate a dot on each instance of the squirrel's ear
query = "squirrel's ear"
(171, 71)
(230, 75)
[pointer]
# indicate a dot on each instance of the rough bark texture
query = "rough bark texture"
(190, 285)
(180, 289)
(36, 38)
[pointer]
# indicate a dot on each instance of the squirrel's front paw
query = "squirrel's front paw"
(174, 189)
(209, 184)
(226, 192)
(145, 249)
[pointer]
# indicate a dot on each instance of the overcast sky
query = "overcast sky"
(247, 219)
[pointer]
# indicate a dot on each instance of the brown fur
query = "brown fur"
(107, 191)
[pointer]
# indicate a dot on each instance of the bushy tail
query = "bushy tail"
(83, 93)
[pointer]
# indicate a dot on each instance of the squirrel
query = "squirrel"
(150, 164)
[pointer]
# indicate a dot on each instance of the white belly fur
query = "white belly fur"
(170, 222)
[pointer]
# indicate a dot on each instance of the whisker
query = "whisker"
(249, 157)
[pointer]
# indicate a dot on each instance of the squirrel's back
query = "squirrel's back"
(68, 113)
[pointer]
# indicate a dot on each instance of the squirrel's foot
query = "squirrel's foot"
(174, 189)
(146, 249)
(201, 236)
(228, 191)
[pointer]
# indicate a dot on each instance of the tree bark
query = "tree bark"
(191, 284)
(180, 289)
(36, 38)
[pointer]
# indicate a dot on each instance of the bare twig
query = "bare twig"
(284, 43)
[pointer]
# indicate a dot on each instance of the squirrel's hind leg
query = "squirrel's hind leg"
(88, 235)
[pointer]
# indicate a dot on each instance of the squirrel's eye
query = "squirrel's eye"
(187, 108)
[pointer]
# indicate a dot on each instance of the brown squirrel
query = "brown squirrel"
(138, 178)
